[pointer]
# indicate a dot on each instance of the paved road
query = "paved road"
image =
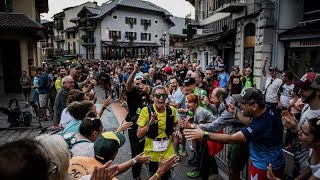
(110, 120)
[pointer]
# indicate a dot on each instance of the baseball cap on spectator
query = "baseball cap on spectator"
(189, 81)
(221, 65)
(309, 80)
(167, 70)
(75, 65)
(189, 72)
(138, 78)
(249, 95)
(107, 145)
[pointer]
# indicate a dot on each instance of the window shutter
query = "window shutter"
(119, 34)
(149, 22)
(135, 36)
(141, 36)
(149, 36)
(134, 20)
(141, 21)
(127, 20)
(126, 35)
(110, 34)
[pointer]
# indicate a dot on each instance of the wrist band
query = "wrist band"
(157, 175)
(103, 108)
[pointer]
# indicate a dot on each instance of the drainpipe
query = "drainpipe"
(275, 49)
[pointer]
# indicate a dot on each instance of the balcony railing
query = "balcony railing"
(88, 42)
(230, 5)
(58, 25)
(59, 38)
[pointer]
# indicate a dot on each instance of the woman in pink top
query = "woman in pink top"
(295, 104)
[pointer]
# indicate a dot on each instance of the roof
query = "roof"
(139, 4)
(18, 21)
(310, 31)
(91, 10)
(179, 26)
(71, 29)
(127, 44)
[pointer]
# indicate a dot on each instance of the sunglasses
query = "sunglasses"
(159, 95)
(53, 167)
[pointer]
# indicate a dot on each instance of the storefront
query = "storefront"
(302, 50)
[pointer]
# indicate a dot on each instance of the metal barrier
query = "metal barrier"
(222, 159)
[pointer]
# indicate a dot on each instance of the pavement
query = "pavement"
(110, 119)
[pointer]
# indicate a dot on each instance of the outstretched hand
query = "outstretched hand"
(105, 172)
(195, 133)
(166, 165)
(289, 121)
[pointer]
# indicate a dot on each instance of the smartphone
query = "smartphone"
(91, 74)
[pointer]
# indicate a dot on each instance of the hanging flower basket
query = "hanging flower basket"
(131, 23)
(146, 24)
(115, 38)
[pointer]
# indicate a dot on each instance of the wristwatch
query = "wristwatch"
(134, 160)
(205, 134)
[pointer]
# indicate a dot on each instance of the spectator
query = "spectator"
(43, 90)
(62, 74)
(285, 91)
(25, 82)
(223, 77)
(234, 83)
(248, 80)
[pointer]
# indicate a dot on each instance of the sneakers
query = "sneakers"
(183, 153)
(194, 173)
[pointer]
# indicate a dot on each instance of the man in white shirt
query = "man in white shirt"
(285, 91)
(272, 85)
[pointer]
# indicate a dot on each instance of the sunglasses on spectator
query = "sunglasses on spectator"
(159, 95)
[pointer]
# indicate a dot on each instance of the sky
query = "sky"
(178, 8)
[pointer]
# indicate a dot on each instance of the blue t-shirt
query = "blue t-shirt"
(71, 127)
(264, 136)
(179, 97)
(223, 79)
(43, 84)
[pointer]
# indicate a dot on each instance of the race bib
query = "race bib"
(159, 146)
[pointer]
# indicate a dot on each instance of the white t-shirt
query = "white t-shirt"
(314, 168)
(65, 117)
(286, 94)
(307, 114)
(271, 91)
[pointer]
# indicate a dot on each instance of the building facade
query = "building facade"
(177, 41)
(20, 31)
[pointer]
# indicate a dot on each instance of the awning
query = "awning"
(128, 45)
(213, 37)
(311, 31)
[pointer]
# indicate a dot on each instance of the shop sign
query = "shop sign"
(249, 41)
(305, 43)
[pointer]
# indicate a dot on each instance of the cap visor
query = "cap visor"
(238, 98)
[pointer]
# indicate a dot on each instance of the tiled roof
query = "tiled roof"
(106, 7)
(18, 21)
(179, 26)
(94, 10)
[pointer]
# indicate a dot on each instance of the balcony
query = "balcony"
(58, 25)
(59, 38)
(230, 5)
(88, 41)
(88, 25)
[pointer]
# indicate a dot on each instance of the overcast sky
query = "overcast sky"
(178, 8)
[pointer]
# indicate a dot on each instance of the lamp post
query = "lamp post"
(163, 42)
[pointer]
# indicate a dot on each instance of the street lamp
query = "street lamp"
(163, 42)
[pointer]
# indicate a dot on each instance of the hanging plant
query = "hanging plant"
(146, 24)
(131, 23)
(131, 39)
(115, 37)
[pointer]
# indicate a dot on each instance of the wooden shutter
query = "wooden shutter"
(119, 34)
(141, 36)
(149, 36)
(110, 34)
(135, 36)
(149, 22)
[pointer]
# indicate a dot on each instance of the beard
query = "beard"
(309, 98)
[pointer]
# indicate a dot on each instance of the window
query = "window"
(6, 6)
(145, 36)
(156, 21)
(68, 34)
(113, 33)
(131, 34)
(74, 35)
(74, 47)
(115, 17)
(145, 21)
(130, 19)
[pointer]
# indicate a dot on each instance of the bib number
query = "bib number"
(159, 146)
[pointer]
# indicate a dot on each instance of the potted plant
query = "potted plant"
(115, 37)
(146, 24)
(131, 22)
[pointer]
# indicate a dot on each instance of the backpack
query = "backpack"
(71, 140)
(16, 117)
(153, 130)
